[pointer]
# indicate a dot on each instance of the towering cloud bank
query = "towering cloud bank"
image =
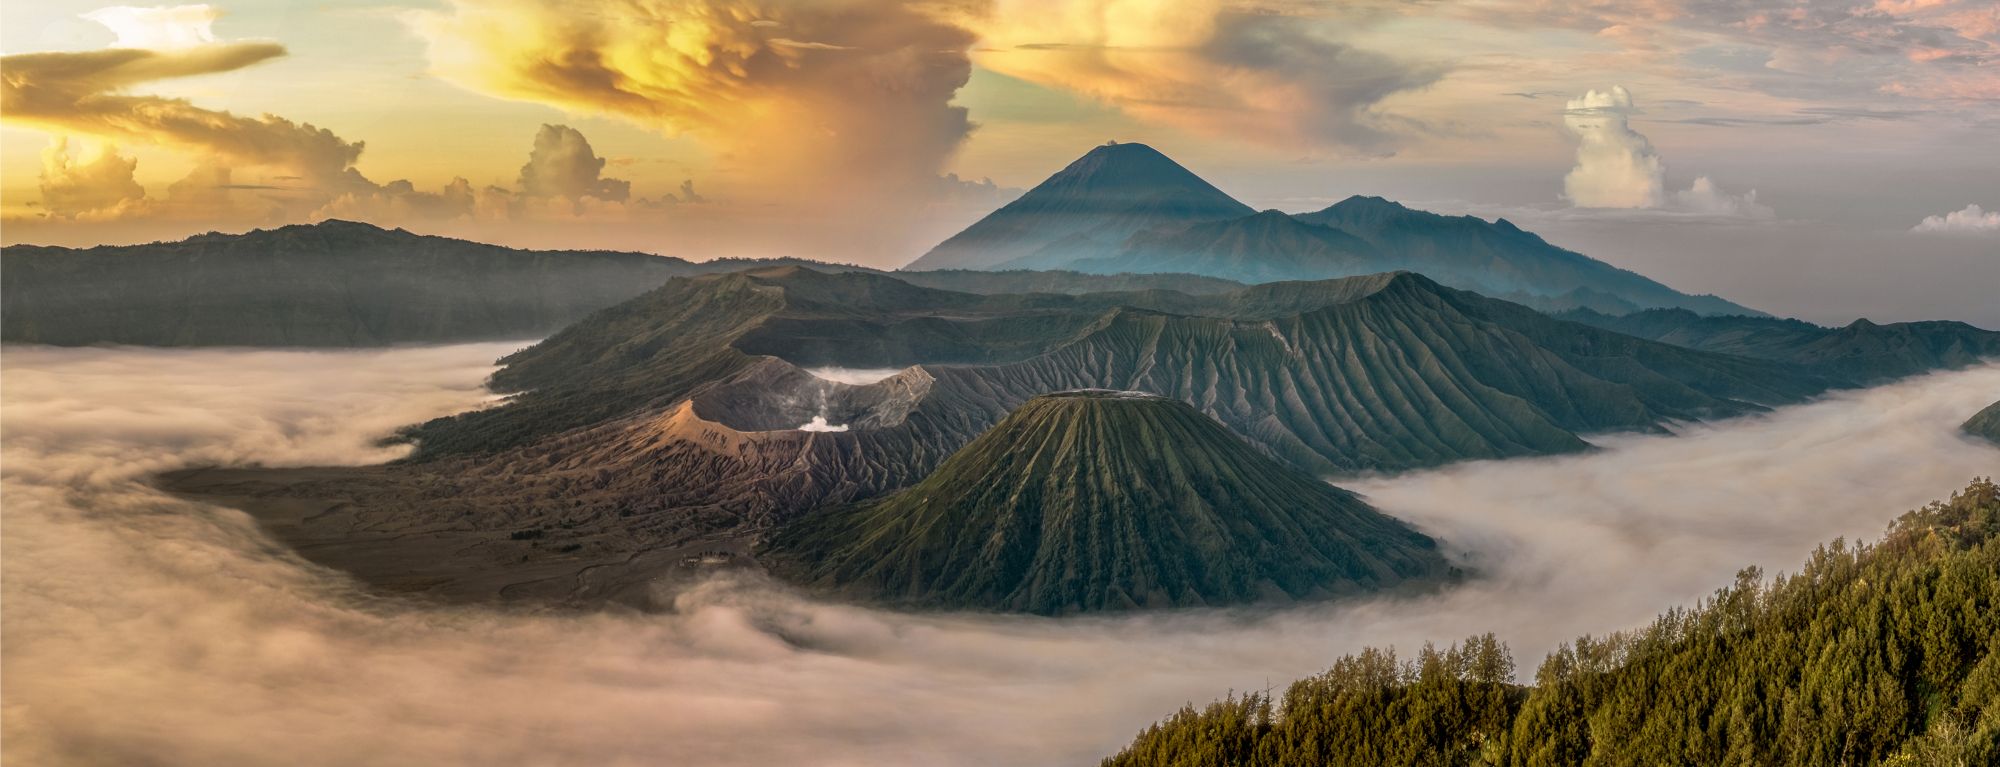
(1616, 167)
(1208, 66)
(97, 181)
(811, 97)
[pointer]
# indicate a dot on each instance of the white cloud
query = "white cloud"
(1971, 220)
(180, 26)
(1616, 167)
(1705, 198)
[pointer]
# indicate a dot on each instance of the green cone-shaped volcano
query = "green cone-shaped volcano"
(1099, 500)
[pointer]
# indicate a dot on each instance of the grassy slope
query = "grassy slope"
(1096, 501)
(1985, 423)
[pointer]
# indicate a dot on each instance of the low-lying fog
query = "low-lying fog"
(141, 629)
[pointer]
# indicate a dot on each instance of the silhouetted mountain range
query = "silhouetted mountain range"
(341, 283)
(1861, 352)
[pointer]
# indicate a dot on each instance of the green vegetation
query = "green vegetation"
(1884, 654)
(1985, 424)
(1099, 500)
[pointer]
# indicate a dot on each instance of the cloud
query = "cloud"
(87, 93)
(96, 182)
(146, 629)
(802, 95)
(1705, 199)
(1933, 49)
(82, 92)
(1616, 167)
(562, 165)
(1207, 66)
(1971, 220)
(180, 26)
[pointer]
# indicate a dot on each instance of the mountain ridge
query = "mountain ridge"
(1100, 500)
(1064, 223)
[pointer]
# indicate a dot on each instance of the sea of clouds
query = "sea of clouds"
(141, 629)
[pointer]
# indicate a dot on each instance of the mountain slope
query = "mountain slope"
(1090, 206)
(1496, 258)
(1878, 654)
(1100, 500)
(1384, 372)
(335, 283)
(1862, 351)
(1128, 208)
(1263, 247)
(1985, 424)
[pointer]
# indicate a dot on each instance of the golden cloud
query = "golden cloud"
(1205, 66)
(813, 96)
(83, 93)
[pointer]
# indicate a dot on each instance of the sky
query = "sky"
(1815, 158)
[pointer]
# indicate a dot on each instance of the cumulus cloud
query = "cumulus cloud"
(807, 96)
(1702, 197)
(142, 628)
(83, 93)
(1208, 66)
(88, 93)
(1616, 167)
(98, 181)
(1971, 220)
(563, 165)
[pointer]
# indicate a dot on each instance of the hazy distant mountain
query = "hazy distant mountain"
(1263, 247)
(1090, 207)
(1100, 500)
(1985, 424)
(1863, 351)
(336, 283)
(1496, 258)
(340, 283)
(1127, 208)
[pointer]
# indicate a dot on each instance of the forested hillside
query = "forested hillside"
(1873, 654)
